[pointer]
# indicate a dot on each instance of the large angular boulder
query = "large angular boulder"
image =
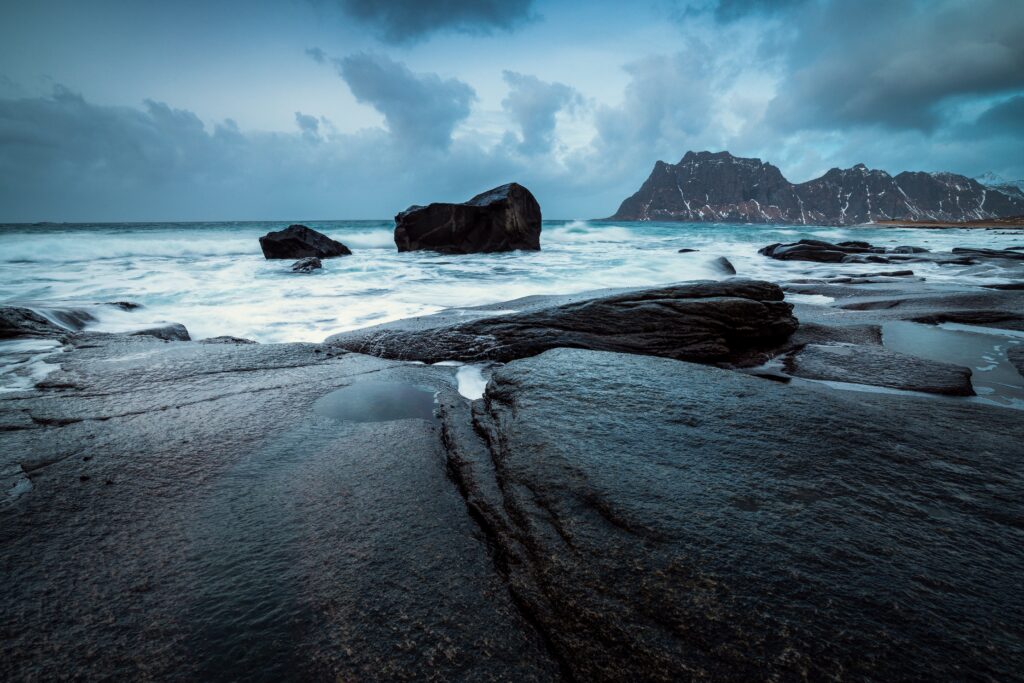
(708, 322)
(503, 219)
(298, 241)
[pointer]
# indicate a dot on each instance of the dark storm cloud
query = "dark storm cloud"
(63, 157)
(402, 21)
(732, 10)
(318, 55)
(420, 109)
(533, 105)
(1005, 118)
(309, 125)
(896, 64)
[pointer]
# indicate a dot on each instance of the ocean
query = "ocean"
(212, 277)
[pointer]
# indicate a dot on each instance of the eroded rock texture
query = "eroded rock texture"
(503, 219)
(668, 521)
(705, 321)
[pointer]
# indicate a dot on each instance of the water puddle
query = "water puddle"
(995, 379)
(377, 402)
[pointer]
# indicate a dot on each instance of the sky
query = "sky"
(128, 110)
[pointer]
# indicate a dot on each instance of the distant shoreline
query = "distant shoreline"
(1012, 222)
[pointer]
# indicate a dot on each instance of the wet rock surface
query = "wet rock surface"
(668, 521)
(234, 510)
(505, 218)
(818, 251)
(705, 322)
(23, 322)
(880, 367)
(185, 513)
(307, 265)
(298, 242)
(916, 302)
(169, 332)
(1016, 356)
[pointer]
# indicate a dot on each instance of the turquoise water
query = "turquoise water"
(213, 278)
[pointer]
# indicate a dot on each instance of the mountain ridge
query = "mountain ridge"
(719, 187)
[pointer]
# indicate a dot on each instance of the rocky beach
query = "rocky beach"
(714, 478)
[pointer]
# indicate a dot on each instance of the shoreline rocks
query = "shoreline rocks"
(505, 218)
(707, 322)
(725, 527)
(880, 367)
(299, 241)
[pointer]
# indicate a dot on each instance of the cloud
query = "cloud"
(403, 21)
(420, 109)
(318, 55)
(65, 158)
(1005, 118)
(896, 65)
(667, 105)
(309, 125)
(533, 105)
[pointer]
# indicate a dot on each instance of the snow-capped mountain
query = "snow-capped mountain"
(717, 186)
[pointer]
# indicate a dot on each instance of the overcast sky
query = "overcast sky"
(117, 110)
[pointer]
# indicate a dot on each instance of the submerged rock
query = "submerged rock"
(707, 322)
(667, 521)
(298, 241)
(307, 265)
(503, 219)
(687, 250)
(880, 367)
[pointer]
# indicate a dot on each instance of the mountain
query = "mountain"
(719, 187)
(1014, 188)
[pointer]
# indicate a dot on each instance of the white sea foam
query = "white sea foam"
(471, 381)
(213, 278)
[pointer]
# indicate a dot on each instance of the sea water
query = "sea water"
(212, 277)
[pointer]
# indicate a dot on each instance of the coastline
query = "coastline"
(213, 478)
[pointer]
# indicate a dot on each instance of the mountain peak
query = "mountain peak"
(717, 186)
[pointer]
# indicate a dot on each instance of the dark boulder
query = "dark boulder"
(503, 219)
(723, 265)
(990, 253)
(298, 241)
(706, 322)
(818, 251)
(307, 265)
(169, 332)
(880, 367)
(24, 322)
(687, 250)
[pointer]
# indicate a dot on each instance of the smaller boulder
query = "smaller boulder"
(723, 265)
(298, 241)
(170, 332)
(687, 250)
(307, 265)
